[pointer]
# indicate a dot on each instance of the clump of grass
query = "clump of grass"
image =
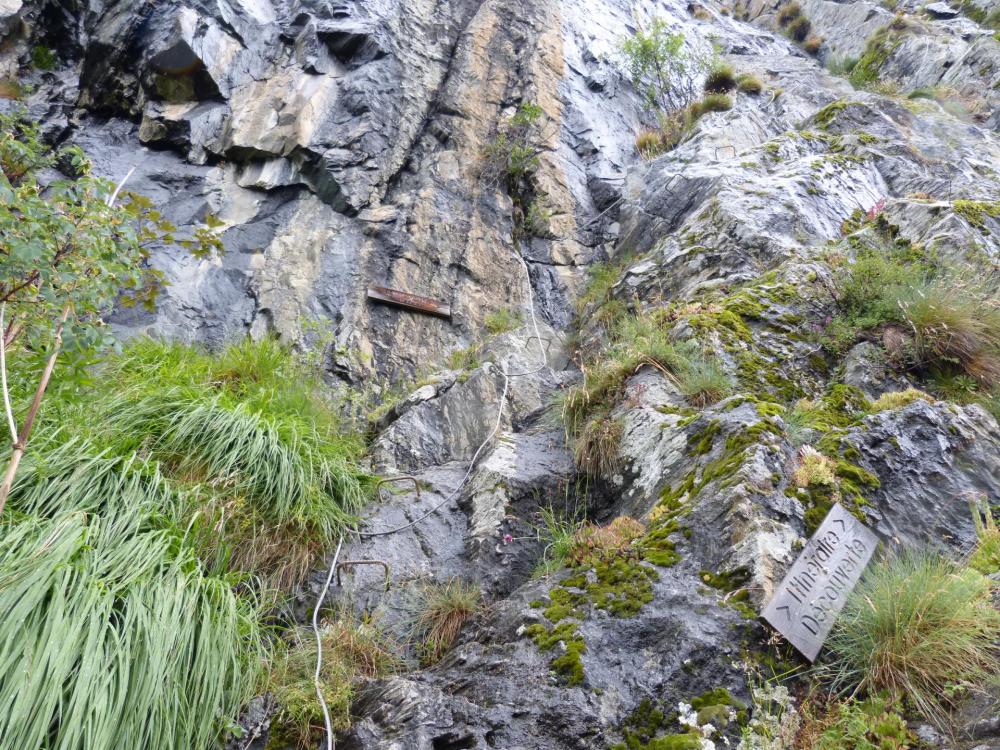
(814, 469)
(557, 531)
(788, 13)
(799, 422)
(466, 359)
(442, 610)
(263, 464)
(710, 103)
(956, 323)
(899, 399)
(652, 142)
(502, 320)
(703, 381)
(350, 651)
(799, 29)
(635, 341)
(594, 544)
(916, 625)
(596, 446)
(841, 65)
(812, 44)
(985, 556)
(721, 79)
(749, 84)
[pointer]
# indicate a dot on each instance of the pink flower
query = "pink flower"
(507, 539)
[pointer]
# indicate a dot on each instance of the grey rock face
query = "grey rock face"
(340, 145)
(938, 457)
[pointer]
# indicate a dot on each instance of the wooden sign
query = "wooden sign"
(409, 301)
(811, 596)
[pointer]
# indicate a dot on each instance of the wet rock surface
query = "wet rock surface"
(340, 145)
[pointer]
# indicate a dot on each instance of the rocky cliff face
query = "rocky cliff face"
(341, 144)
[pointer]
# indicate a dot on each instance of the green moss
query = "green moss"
(825, 117)
(878, 50)
(700, 443)
(976, 212)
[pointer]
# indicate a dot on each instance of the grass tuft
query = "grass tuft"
(899, 399)
(917, 625)
(350, 651)
(749, 84)
(442, 611)
(721, 79)
(703, 381)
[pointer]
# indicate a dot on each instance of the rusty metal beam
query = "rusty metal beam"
(407, 301)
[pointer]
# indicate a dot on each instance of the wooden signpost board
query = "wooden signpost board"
(408, 301)
(809, 598)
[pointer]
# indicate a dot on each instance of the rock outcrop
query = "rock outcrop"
(344, 145)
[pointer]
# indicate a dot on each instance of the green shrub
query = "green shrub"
(43, 58)
(916, 625)
(721, 79)
(513, 155)
(658, 59)
(799, 29)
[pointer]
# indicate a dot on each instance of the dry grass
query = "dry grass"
(596, 447)
(814, 469)
(442, 611)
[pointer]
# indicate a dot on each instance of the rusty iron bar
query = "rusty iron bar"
(352, 563)
(400, 478)
(406, 301)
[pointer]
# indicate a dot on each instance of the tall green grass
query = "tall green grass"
(259, 464)
(131, 612)
(111, 636)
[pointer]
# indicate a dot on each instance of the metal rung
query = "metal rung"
(351, 563)
(400, 478)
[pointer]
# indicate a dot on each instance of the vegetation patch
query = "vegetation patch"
(442, 610)
(917, 627)
(351, 651)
